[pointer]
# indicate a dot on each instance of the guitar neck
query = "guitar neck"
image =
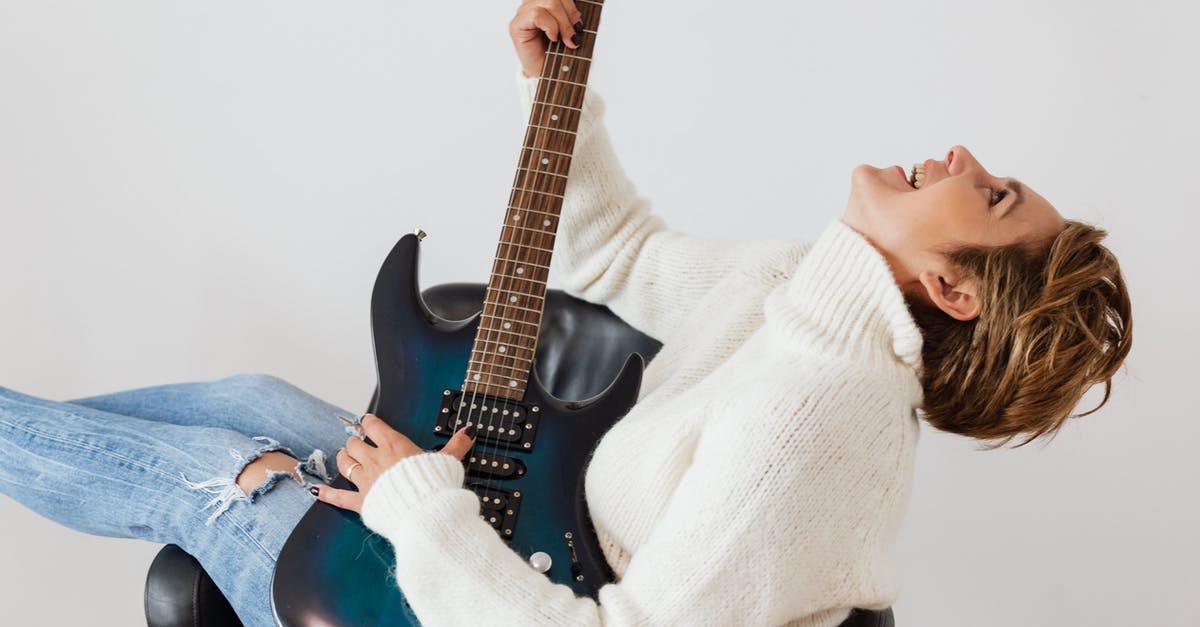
(515, 298)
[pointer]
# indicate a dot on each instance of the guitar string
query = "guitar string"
(495, 413)
(554, 50)
(559, 51)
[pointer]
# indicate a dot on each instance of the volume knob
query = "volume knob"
(540, 561)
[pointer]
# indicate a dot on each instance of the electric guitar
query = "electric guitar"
(437, 375)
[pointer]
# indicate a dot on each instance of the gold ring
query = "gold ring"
(351, 469)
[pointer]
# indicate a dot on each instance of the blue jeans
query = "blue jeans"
(160, 464)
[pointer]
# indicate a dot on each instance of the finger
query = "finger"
(360, 451)
(380, 431)
(460, 443)
(344, 460)
(566, 25)
(572, 11)
(345, 499)
(554, 27)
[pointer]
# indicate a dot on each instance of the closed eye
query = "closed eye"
(997, 196)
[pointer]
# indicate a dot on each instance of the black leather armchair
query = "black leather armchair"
(581, 347)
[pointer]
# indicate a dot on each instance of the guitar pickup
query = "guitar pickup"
(495, 466)
(497, 421)
(500, 507)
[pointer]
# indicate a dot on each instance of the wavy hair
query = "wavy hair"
(1054, 321)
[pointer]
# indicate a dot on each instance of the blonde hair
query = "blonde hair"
(1055, 320)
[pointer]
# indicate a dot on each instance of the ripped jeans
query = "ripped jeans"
(160, 464)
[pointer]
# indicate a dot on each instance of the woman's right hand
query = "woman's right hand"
(537, 20)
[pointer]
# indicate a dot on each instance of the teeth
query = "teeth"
(917, 175)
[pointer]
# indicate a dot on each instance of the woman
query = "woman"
(765, 470)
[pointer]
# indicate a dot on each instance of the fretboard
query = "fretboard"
(506, 342)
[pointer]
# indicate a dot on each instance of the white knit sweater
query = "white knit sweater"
(764, 472)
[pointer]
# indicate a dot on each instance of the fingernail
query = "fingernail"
(471, 432)
(313, 489)
(579, 25)
(575, 39)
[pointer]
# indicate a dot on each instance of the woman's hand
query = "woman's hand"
(556, 18)
(390, 447)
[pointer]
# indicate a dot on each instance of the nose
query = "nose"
(959, 159)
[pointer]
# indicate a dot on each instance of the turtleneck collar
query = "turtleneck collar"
(842, 297)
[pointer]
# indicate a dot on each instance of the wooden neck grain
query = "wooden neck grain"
(506, 341)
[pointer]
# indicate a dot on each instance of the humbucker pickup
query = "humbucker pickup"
(498, 421)
(500, 507)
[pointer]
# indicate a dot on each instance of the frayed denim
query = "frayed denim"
(161, 464)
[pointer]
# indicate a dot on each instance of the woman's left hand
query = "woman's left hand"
(390, 447)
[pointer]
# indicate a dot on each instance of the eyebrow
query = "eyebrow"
(1016, 187)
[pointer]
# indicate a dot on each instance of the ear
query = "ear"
(959, 300)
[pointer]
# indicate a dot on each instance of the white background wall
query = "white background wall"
(190, 190)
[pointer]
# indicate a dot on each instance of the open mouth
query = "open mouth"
(916, 176)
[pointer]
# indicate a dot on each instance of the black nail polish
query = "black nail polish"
(579, 25)
(313, 490)
(471, 432)
(576, 38)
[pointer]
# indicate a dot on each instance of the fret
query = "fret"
(564, 154)
(513, 394)
(501, 356)
(538, 284)
(523, 189)
(545, 213)
(563, 80)
(566, 55)
(478, 376)
(508, 331)
(542, 172)
(515, 356)
(526, 335)
(521, 293)
(541, 283)
(511, 306)
(521, 348)
(555, 104)
(525, 228)
(550, 128)
(494, 365)
(599, 4)
(545, 250)
(528, 263)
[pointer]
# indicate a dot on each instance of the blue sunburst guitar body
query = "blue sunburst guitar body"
(335, 571)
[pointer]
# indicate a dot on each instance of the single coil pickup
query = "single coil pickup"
(497, 421)
(495, 466)
(500, 507)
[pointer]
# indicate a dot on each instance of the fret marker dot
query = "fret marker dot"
(545, 223)
(545, 161)
(503, 350)
(512, 384)
(516, 218)
(520, 270)
(507, 325)
(566, 68)
(476, 377)
(553, 116)
(512, 299)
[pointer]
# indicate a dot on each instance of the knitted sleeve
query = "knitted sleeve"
(611, 249)
(780, 519)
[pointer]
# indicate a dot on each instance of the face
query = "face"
(959, 203)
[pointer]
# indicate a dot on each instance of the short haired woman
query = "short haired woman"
(763, 474)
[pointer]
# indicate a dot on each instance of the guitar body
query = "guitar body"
(335, 571)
